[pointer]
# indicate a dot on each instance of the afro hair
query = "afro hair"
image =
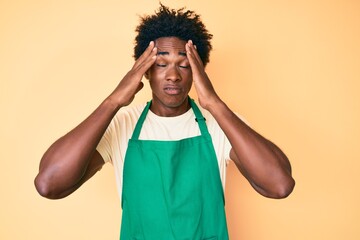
(185, 25)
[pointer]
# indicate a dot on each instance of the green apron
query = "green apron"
(172, 189)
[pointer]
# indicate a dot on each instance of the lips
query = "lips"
(172, 90)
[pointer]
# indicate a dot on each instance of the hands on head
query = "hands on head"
(131, 83)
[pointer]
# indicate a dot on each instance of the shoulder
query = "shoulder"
(130, 113)
(211, 121)
(126, 118)
(207, 115)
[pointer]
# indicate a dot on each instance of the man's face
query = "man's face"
(170, 77)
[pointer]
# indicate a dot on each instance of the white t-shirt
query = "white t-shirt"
(113, 144)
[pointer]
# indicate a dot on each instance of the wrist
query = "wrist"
(217, 107)
(111, 104)
(212, 104)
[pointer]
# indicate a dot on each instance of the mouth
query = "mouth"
(172, 90)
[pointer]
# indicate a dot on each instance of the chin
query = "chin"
(174, 104)
(172, 101)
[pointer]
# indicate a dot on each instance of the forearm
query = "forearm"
(261, 162)
(70, 160)
(65, 163)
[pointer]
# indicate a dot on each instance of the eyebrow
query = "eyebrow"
(167, 53)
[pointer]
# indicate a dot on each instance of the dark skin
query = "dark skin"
(172, 66)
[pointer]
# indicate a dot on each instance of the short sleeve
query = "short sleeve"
(105, 145)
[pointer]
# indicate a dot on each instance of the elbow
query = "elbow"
(284, 189)
(44, 188)
(278, 190)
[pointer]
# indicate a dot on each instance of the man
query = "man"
(169, 155)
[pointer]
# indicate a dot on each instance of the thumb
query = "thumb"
(139, 87)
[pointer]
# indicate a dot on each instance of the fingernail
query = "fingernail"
(151, 42)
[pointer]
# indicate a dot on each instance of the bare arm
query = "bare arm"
(73, 158)
(263, 164)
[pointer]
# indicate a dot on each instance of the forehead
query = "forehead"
(170, 44)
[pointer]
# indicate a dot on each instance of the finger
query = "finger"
(191, 53)
(193, 60)
(190, 57)
(139, 87)
(141, 68)
(195, 52)
(148, 52)
(148, 62)
(144, 55)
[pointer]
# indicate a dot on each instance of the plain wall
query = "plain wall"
(291, 68)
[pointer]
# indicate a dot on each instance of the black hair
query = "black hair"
(185, 25)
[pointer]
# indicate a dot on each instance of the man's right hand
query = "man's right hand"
(125, 92)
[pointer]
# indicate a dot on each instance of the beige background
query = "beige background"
(292, 68)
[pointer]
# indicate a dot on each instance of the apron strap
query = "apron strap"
(199, 118)
(140, 122)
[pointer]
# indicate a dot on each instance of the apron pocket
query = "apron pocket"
(211, 238)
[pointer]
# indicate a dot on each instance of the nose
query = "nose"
(173, 74)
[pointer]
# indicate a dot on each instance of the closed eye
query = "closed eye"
(184, 66)
(161, 65)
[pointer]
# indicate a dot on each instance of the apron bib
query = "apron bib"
(172, 189)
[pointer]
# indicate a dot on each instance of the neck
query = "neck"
(169, 111)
